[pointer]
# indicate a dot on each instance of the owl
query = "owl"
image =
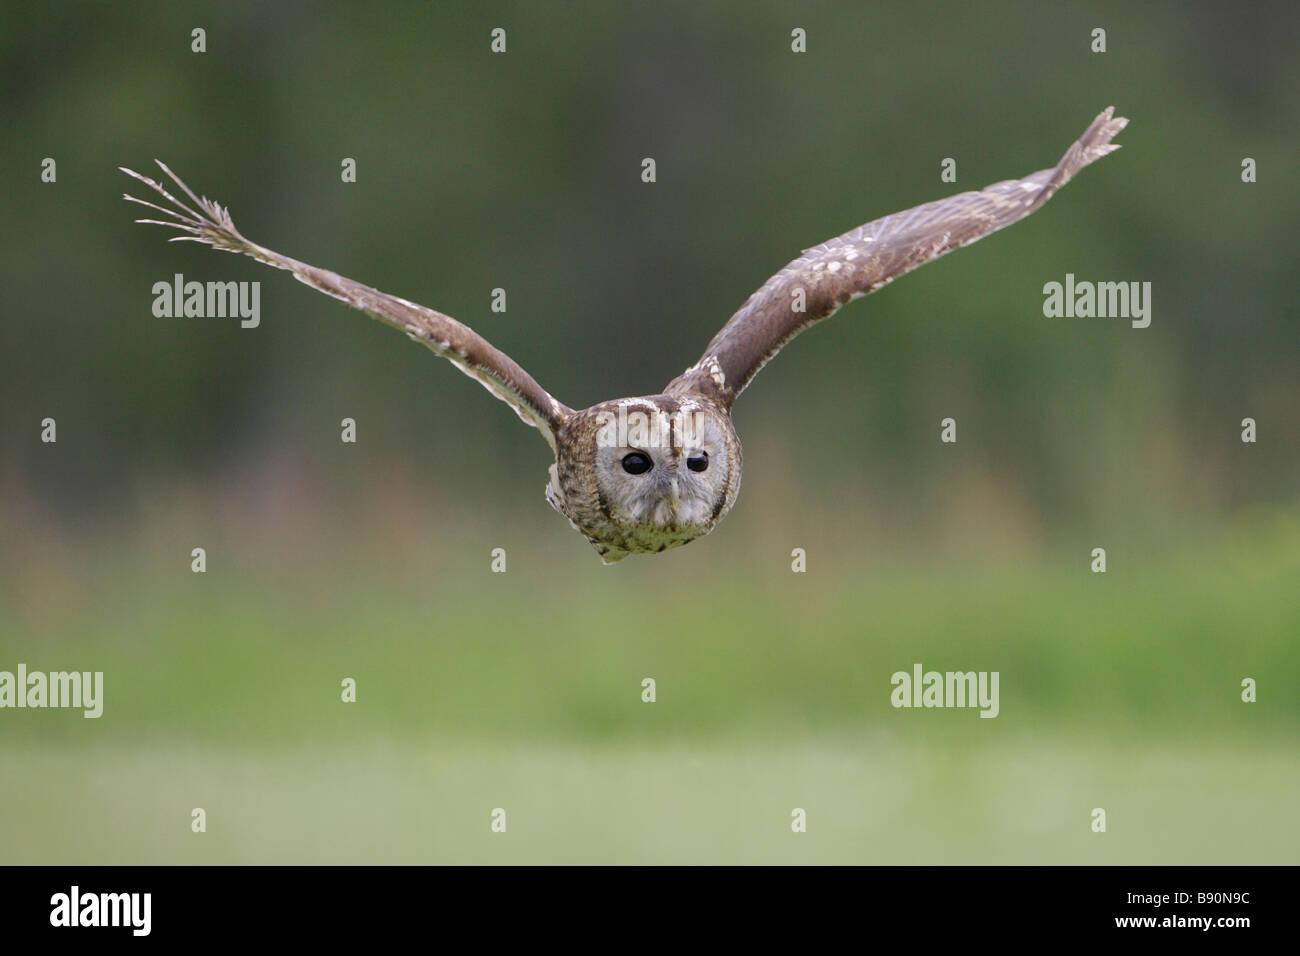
(646, 474)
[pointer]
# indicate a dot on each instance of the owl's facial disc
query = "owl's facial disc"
(653, 464)
(662, 471)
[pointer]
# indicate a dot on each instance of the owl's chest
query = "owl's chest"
(613, 537)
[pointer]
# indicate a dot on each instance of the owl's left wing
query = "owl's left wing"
(474, 355)
(825, 277)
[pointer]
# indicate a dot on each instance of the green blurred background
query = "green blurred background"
(523, 690)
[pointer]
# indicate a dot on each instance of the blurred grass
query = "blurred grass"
(523, 690)
(558, 645)
(1027, 800)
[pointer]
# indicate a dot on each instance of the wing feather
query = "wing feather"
(466, 349)
(827, 276)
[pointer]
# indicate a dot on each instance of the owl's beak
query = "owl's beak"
(673, 493)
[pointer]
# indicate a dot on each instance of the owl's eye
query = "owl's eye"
(698, 462)
(637, 463)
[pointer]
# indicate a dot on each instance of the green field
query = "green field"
(877, 799)
(478, 691)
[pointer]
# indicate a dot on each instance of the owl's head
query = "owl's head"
(641, 475)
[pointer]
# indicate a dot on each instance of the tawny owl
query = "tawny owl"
(642, 475)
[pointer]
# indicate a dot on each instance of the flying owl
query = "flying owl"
(642, 475)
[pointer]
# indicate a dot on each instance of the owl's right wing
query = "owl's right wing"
(815, 285)
(465, 348)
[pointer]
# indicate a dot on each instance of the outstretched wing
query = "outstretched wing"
(815, 285)
(468, 350)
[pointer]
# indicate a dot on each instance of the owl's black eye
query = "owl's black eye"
(698, 462)
(637, 463)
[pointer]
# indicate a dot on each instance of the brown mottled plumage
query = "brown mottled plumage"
(642, 475)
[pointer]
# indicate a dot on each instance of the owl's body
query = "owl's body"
(643, 475)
